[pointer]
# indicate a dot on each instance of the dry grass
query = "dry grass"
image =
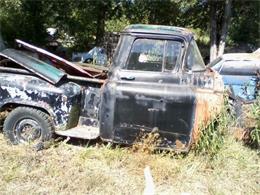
(68, 169)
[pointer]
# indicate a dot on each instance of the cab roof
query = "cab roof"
(159, 29)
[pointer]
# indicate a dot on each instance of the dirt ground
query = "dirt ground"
(101, 169)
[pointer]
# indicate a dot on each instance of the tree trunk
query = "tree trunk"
(213, 31)
(100, 23)
(224, 31)
(2, 46)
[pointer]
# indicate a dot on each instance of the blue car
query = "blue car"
(240, 72)
(96, 55)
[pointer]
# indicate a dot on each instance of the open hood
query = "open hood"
(58, 62)
(34, 65)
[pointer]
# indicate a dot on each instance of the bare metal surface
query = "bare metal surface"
(77, 78)
(83, 132)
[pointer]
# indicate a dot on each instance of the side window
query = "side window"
(154, 55)
(194, 60)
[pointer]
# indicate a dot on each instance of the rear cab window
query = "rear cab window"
(154, 55)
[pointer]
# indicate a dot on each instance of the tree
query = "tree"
(225, 25)
(23, 19)
(245, 23)
(217, 44)
(85, 21)
(213, 31)
(1, 41)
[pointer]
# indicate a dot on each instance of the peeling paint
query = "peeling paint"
(32, 91)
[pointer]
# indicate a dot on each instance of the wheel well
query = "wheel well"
(10, 106)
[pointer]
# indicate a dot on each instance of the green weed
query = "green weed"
(213, 134)
(255, 133)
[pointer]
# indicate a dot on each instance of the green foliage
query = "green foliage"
(85, 21)
(116, 24)
(212, 135)
(245, 23)
(255, 133)
(23, 19)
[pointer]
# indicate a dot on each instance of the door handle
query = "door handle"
(129, 78)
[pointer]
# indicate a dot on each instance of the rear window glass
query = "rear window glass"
(154, 55)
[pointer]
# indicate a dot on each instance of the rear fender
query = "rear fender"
(39, 105)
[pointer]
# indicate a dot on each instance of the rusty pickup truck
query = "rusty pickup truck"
(157, 82)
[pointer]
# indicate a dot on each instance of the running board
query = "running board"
(82, 132)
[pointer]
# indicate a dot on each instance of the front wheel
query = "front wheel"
(25, 124)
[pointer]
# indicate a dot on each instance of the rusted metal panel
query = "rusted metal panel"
(209, 102)
(59, 62)
(34, 65)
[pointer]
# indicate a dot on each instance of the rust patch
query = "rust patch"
(201, 116)
(179, 145)
(209, 104)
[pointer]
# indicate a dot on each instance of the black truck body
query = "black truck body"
(157, 82)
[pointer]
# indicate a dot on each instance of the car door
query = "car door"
(147, 94)
(207, 87)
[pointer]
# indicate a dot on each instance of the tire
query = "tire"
(25, 124)
(88, 61)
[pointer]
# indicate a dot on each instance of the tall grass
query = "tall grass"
(255, 133)
(213, 134)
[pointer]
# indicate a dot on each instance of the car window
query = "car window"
(172, 55)
(239, 67)
(154, 55)
(194, 60)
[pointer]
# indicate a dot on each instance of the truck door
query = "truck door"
(146, 94)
